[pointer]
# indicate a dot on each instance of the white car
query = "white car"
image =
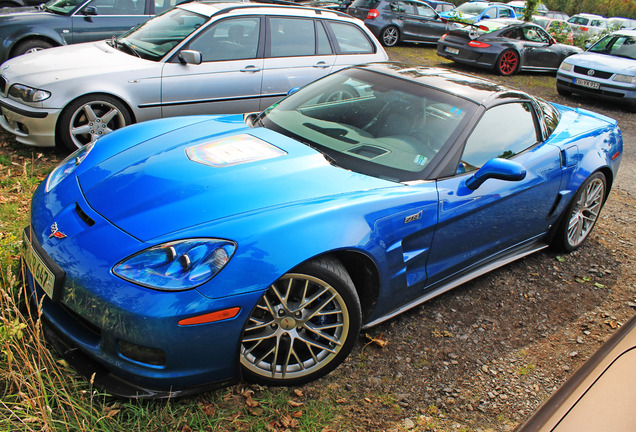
(588, 25)
(198, 58)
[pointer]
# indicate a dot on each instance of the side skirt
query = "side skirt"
(492, 265)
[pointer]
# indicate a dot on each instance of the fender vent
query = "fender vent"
(83, 216)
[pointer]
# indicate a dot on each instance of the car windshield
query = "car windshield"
(616, 45)
(471, 8)
(372, 123)
(63, 6)
(157, 36)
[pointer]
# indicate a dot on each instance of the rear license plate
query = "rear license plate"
(41, 273)
(586, 83)
(451, 50)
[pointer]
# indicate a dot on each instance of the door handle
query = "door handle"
(321, 64)
(251, 68)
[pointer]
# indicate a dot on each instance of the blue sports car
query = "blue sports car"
(179, 254)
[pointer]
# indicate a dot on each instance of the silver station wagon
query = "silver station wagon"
(198, 58)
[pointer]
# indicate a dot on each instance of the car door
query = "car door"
(538, 50)
(229, 78)
(406, 18)
(298, 52)
(103, 19)
(431, 28)
(475, 224)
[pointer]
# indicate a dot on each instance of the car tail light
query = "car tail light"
(477, 44)
(373, 14)
(483, 28)
(584, 29)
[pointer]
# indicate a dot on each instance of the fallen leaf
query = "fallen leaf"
(298, 392)
(377, 341)
(295, 404)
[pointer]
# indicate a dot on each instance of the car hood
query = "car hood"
(71, 62)
(605, 62)
(198, 173)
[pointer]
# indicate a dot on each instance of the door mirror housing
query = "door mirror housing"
(190, 57)
(497, 168)
(90, 11)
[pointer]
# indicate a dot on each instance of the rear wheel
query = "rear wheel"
(582, 213)
(508, 62)
(390, 36)
(303, 327)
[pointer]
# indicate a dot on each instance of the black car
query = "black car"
(393, 21)
(507, 46)
(62, 22)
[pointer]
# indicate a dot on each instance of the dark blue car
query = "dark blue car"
(62, 22)
(186, 252)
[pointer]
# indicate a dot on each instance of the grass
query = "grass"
(40, 392)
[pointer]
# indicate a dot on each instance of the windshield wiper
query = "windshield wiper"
(115, 44)
(131, 48)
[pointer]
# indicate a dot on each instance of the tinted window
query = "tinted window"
(118, 7)
(324, 47)
(425, 11)
(230, 39)
(351, 39)
(503, 131)
(504, 13)
(292, 37)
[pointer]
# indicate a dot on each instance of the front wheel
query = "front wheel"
(31, 45)
(303, 327)
(508, 62)
(89, 117)
(582, 213)
(390, 36)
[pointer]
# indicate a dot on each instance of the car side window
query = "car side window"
(292, 37)
(163, 5)
(490, 12)
(535, 34)
(351, 39)
(502, 132)
(504, 13)
(425, 11)
(118, 7)
(230, 39)
(324, 47)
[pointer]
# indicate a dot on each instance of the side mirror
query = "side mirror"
(293, 90)
(486, 17)
(190, 57)
(90, 11)
(501, 169)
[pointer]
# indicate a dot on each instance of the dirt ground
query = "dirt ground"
(483, 356)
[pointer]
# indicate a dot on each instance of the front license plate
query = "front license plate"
(586, 83)
(451, 50)
(41, 273)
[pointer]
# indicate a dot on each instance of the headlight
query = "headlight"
(177, 265)
(631, 79)
(67, 166)
(28, 94)
(565, 66)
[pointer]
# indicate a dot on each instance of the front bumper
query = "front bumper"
(608, 89)
(95, 317)
(31, 126)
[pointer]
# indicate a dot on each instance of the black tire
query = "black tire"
(507, 63)
(286, 341)
(581, 214)
(89, 117)
(342, 92)
(390, 36)
(30, 45)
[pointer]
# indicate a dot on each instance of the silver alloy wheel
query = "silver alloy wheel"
(298, 327)
(390, 36)
(94, 119)
(585, 212)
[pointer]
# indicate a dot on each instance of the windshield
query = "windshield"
(372, 123)
(616, 45)
(157, 36)
(471, 8)
(63, 6)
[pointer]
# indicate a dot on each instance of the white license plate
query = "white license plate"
(586, 83)
(451, 50)
(41, 273)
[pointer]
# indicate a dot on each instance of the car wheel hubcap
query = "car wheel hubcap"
(390, 36)
(585, 212)
(508, 63)
(94, 119)
(297, 327)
